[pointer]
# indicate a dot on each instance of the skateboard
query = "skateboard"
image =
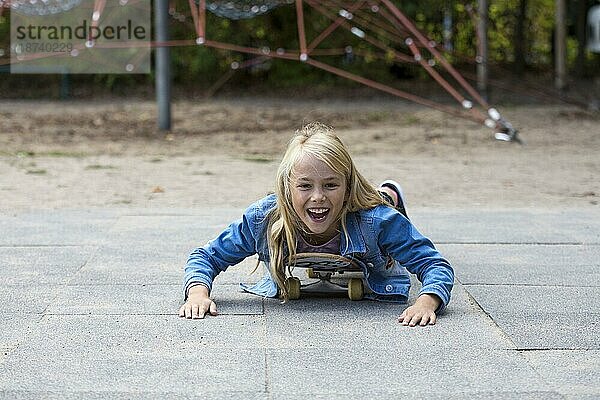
(322, 266)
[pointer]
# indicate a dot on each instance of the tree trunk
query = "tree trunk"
(560, 38)
(520, 47)
(482, 59)
(581, 28)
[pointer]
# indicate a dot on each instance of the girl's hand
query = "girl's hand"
(198, 303)
(422, 312)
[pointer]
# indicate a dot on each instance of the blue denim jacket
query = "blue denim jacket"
(383, 239)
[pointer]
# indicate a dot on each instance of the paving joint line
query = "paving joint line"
(531, 350)
(138, 314)
(44, 245)
(268, 390)
(553, 388)
(522, 243)
(474, 300)
(530, 285)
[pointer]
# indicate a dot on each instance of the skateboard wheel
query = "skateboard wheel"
(293, 287)
(355, 289)
(311, 273)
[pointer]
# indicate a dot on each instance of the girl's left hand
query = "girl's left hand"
(422, 312)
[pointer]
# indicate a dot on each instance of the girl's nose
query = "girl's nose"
(318, 195)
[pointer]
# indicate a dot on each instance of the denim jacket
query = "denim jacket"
(383, 239)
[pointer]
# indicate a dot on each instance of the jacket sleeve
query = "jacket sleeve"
(401, 240)
(232, 246)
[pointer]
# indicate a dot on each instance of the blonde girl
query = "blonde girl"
(323, 204)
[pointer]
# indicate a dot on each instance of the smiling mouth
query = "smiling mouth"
(318, 214)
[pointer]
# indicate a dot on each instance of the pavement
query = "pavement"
(89, 300)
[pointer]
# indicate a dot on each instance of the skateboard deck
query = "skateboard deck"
(323, 266)
(324, 262)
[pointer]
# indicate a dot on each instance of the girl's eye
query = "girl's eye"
(304, 186)
(332, 185)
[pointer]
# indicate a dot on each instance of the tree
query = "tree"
(520, 40)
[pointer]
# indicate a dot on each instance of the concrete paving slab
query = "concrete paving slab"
(218, 213)
(196, 229)
(147, 300)
(126, 263)
(551, 331)
(426, 395)
(547, 317)
(27, 299)
(41, 264)
(357, 327)
(242, 273)
(584, 225)
(130, 336)
(139, 354)
(509, 226)
(398, 371)
(570, 372)
(580, 396)
(561, 265)
(56, 227)
(138, 255)
(119, 273)
(200, 373)
(162, 264)
(231, 300)
(526, 299)
(369, 324)
(15, 329)
(140, 395)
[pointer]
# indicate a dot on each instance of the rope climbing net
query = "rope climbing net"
(242, 9)
(378, 23)
(40, 7)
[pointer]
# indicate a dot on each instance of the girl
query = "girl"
(323, 204)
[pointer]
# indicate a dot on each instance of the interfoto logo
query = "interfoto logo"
(80, 36)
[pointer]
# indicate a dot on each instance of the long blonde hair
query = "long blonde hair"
(317, 140)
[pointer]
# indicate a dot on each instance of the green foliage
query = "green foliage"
(201, 66)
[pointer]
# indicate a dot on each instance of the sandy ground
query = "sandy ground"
(225, 152)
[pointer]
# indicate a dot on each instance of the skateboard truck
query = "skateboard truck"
(323, 284)
(322, 266)
(355, 287)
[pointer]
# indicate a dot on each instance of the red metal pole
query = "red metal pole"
(301, 32)
(369, 39)
(418, 35)
(194, 11)
(331, 28)
(201, 21)
(98, 8)
(365, 18)
(393, 91)
(434, 74)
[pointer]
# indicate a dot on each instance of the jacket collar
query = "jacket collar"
(354, 242)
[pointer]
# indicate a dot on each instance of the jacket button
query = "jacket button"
(389, 288)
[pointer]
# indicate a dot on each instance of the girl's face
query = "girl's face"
(318, 195)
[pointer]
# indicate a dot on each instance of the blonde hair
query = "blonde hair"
(319, 141)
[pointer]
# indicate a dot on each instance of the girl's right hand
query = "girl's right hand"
(198, 304)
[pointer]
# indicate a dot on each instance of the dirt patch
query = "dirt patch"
(225, 152)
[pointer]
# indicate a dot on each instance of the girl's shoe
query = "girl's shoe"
(395, 186)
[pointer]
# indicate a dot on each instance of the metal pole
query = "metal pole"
(162, 64)
(560, 46)
(482, 57)
(447, 32)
